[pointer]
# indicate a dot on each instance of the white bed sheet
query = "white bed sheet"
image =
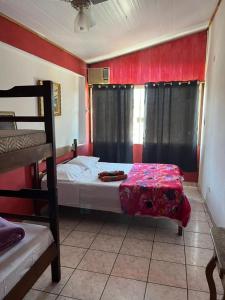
(15, 262)
(90, 192)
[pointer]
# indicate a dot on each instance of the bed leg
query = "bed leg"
(180, 230)
(56, 271)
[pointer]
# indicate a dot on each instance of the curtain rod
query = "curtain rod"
(171, 83)
(144, 84)
(108, 85)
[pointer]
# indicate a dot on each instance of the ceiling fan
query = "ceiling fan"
(83, 20)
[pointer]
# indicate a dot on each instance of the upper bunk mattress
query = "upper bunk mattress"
(17, 260)
(12, 140)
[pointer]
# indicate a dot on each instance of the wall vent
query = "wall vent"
(98, 75)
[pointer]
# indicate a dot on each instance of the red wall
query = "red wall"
(178, 60)
(16, 179)
(19, 37)
(21, 178)
(182, 59)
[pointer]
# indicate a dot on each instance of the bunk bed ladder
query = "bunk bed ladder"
(52, 176)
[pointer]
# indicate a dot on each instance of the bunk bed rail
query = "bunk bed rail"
(26, 217)
(25, 91)
(26, 193)
(21, 119)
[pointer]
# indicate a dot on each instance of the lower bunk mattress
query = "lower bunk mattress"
(15, 262)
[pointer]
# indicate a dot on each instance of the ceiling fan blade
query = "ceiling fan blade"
(97, 1)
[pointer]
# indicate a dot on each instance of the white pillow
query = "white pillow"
(85, 161)
(69, 172)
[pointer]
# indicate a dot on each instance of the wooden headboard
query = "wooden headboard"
(59, 153)
(64, 150)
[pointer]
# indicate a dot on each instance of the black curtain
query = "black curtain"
(113, 122)
(171, 117)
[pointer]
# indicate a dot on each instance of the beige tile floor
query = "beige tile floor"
(115, 257)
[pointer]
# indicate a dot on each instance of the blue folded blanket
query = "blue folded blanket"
(10, 234)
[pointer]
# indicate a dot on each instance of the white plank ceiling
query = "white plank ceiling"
(121, 25)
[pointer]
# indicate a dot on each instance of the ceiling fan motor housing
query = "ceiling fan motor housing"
(79, 4)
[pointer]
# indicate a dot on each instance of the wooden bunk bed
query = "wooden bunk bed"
(26, 153)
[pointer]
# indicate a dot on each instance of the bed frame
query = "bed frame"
(41, 174)
(31, 156)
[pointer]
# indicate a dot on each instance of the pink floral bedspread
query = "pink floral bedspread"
(155, 190)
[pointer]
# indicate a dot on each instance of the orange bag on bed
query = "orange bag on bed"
(113, 178)
(112, 173)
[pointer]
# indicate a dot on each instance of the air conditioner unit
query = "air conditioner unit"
(98, 75)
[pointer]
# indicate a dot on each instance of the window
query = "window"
(138, 121)
(138, 114)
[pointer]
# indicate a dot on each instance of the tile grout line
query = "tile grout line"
(119, 253)
(99, 232)
(98, 250)
(69, 231)
(147, 240)
(185, 260)
(150, 263)
(139, 279)
(173, 243)
(110, 275)
(162, 242)
(65, 236)
(114, 262)
(74, 229)
(64, 267)
(155, 228)
(78, 263)
(164, 284)
(178, 287)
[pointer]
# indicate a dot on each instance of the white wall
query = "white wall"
(20, 68)
(212, 166)
(82, 113)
